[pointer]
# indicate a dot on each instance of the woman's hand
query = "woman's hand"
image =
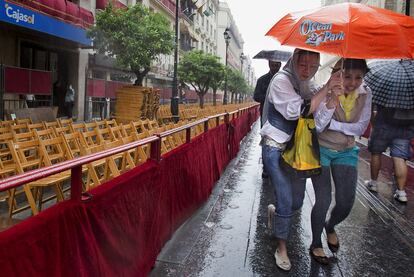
(335, 83)
(333, 101)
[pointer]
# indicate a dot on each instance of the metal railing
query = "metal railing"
(75, 165)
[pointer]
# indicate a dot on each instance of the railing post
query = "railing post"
(188, 135)
(217, 121)
(206, 126)
(155, 153)
(76, 183)
(227, 118)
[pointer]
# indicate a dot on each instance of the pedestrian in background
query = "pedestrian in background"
(388, 130)
(344, 114)
(69, 100)
(392, 85)
(261, 90)
(263, 83)
(288, 91)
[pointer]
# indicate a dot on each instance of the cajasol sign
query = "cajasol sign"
(24, 17)
(17, 15)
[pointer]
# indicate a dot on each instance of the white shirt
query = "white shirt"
(286, 101)
(324, 115)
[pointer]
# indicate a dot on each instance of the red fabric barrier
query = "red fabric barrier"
(121, 230)
(41, 83)
(239, 127)
(16, 80)
(95, 88)
(111, 88)
(26, 81)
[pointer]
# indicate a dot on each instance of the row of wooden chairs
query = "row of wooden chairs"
(26, 146)
(41, 147)
(193, 111)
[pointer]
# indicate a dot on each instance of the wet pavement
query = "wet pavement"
(228, 236)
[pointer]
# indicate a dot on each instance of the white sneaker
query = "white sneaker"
(401, 196)
(372, 185)
(271, 210)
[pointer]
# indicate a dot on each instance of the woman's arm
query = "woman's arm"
(357, 128)
(334, 83)
(324, 113)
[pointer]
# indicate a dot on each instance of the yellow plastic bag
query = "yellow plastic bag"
(301, 155)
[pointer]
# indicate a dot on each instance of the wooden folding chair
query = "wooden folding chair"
(45, 134)
(101, 170)
(50, 124)
(111, 123)
(64, 121)
(23, 121)
(6, 123)
(52, 151)
(22, 163)
(73, 146)
(62, 130)
(36, 126)
(19, 128)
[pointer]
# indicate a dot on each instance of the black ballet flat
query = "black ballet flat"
(323, 260)
(333, 247)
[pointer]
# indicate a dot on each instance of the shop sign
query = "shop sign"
(20, 16)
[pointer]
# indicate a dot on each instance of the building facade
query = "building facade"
(44, 48)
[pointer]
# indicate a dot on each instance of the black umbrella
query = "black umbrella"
(392, 83)
(273, 55)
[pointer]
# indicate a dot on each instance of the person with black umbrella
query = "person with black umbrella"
(261, 89)
(392, 84)
(263, 83)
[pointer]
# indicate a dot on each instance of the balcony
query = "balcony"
(169, 5)
(101, 4)
(61, 9)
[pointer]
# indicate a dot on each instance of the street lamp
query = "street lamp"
(227, 39)
(242, 57)
(174, 94)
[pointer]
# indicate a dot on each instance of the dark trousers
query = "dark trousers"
(69, 109)
(345, 180)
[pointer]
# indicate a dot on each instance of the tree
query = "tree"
(198, 68)
(135, 37)
(235, 83)
(217, 80)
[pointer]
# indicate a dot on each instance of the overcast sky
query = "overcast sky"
(255, 18)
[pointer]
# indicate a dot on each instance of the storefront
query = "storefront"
(41, 53)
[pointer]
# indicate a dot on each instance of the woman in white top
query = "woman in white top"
(288, 91)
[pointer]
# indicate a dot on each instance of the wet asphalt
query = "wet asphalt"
(227, 236)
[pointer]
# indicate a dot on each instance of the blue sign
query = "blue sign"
(27, 18)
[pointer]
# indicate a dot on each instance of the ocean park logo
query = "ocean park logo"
(317, 33)
(18, 16)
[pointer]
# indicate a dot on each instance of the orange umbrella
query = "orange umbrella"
(348, 30)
